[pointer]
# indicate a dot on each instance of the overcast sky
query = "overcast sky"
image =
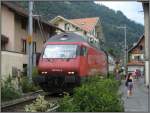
(131, 9)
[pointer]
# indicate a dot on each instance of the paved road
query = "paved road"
(139, 100)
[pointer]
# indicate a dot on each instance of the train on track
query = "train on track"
(66, 60)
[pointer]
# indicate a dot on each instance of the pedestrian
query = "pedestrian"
(117, 75)
(129, 84)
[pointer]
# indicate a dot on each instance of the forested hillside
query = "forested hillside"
(114, 38)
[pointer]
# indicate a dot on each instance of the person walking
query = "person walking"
(129, 84)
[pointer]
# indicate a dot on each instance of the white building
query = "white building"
(89, 27)
(136, 56)
(111, 62)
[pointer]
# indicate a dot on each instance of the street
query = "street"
(139, 100)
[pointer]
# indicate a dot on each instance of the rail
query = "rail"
(25, 98)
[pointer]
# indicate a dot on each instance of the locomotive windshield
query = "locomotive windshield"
(60, 51)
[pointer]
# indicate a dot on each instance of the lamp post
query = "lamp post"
(125, 46)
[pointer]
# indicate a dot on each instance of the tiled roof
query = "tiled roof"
(139, 40)
(136, 63)
(87, 24)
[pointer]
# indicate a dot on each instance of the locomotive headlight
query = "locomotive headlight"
(71, 73)
(44, 72)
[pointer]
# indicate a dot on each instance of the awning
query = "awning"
(4, 39)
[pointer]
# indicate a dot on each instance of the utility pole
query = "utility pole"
(29, 39)
(125, 40)
(125, 46)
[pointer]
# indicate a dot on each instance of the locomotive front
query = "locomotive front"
(58, 66)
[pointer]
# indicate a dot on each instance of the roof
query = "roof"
(22, 12)
(139, 40)
(136, 63)
(60, 17)
(67, 37)
(87, 24)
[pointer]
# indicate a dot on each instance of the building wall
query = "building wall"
(11, 27)
(8, 26)
(9, 60)
(141, 56)
(23, 34)
(111, 62)
(133, 68)
(74, 29)
(61, 24)
(137, 50)
(111, 68)
(137, 54)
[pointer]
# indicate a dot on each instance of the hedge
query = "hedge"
(95, 95)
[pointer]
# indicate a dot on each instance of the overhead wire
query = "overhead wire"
(44, 38)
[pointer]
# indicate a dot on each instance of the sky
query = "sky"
(133, 10)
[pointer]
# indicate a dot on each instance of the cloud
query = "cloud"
(131, 9)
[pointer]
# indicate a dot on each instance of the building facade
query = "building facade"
(136, 56)
(111, 61)
(14, 29)
(89, 27)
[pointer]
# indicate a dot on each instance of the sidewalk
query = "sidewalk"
(139, 100)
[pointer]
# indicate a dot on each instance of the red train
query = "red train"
(66, 59)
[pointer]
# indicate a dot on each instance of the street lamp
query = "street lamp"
(125, 46)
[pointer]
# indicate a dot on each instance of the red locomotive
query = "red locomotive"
(66, 59)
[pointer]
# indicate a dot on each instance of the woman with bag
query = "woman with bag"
(129, 84)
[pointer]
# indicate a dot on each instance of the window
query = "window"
(34, 27)
(23, 23)
(34, 47)
(67, 27)
(93, 32)
(77, 29)
(141, 47)
(83, 51)
(3, 46)
(60, 51)
(137, 58)
(4, 42)
(85, 32)
(24, 45)
(24, 69)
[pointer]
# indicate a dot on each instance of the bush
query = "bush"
(28, 87)
(34, 72)
(39, 105)
(8, 92)
(96, 95)
(111, 76)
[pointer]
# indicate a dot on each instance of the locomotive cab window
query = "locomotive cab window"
(60, 51)
(83, 51)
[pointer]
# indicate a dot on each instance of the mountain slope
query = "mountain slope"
(110, 20)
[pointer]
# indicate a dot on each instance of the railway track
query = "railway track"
(18, 105)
